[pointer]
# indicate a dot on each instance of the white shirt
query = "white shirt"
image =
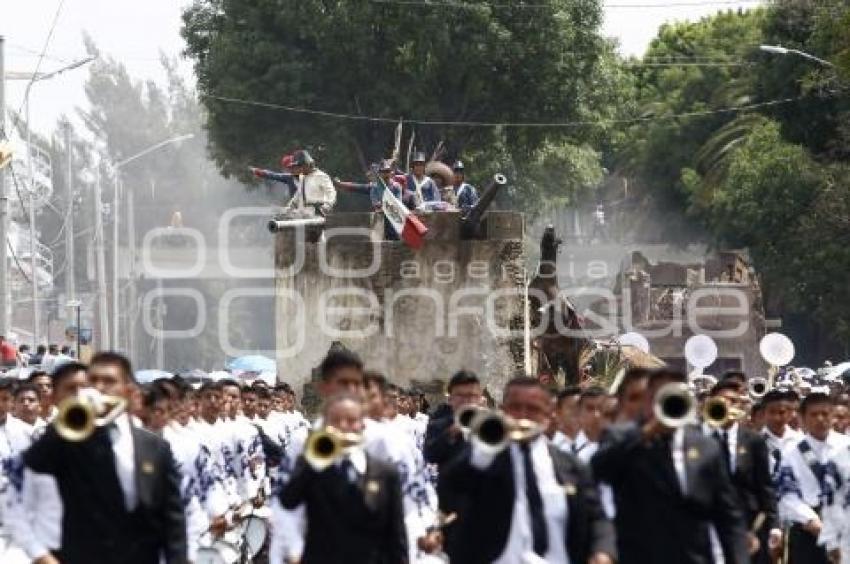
(777, 444)
(34, 518)
(562, 441)
(731, 435)
(125, 464)
(677, 447)
(317, 186)
(585, 453)
(519, 548)
(797, 488)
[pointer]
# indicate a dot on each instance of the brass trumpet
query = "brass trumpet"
(717, 412)
(465, 415)
(494, 430)
(675, 406)
(80, 415)
(326, 446)
(758, 387)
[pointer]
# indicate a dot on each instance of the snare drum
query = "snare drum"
(255, 530)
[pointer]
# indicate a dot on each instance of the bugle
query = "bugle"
(80, 415)
(494, 431)
(717, 412)
(675, 406)
(758, 387)
(326, 446)
(465, 415)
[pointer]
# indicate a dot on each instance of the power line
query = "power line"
(380, 119)
(43, 52)
(521, 6)
(686, 64)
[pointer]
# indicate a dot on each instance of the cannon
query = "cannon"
(471, 222)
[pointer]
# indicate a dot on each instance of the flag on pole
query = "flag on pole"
(409, 228)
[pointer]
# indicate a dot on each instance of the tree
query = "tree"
(478, 63)
(690, 67)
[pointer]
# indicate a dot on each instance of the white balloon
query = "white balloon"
(635, 340)
(776, 349)
(700, 351)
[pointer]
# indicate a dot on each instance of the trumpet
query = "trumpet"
(465, 415)
(675, 406)
(758, 387)
(80, 415)
(494, 431)
(717, 412)
(326, 446)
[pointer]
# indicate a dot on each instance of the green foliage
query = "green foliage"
(773, 179)
(481, 64)
(689, 67)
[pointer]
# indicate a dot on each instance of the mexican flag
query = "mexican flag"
(407, 225)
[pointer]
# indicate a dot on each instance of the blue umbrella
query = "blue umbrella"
(252, 363)
(148, 376)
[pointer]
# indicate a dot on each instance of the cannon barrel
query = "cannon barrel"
(472, 220)
(278, 225)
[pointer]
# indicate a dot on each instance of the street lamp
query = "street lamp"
(33, 78)
(779, 50)
(115, 215)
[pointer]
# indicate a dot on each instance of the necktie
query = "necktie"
(723, 438)
(539, 535)
(347, 470)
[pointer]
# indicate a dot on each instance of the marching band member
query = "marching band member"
(211, 428)
(342, 371)
(670, 486)
(353, 506)
(394, 444)
(631, 395)
(315, 190)
(248, 459)
(527, 502)
(44, 384)
(28, 409)
(590, 405)
(745, 453)
(592, 422)
(201, 486)
(120, 488)
(444, 440)
(35, 514)
(466, 194)
(565, 421)
(14, 441)
(808, 481)
(777, 433)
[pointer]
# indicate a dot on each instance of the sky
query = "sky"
(137, 32)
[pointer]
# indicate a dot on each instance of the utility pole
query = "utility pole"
(100, 270)
(116, 288)
(4, 213)
(70, 281)
(131, 276)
